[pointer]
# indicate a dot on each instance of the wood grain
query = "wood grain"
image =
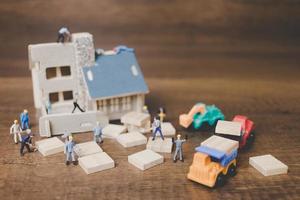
(239, 56)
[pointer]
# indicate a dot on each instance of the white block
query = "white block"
(167, 129)
(268, 165)
(221, 144)
(96, 162)
(113, 130)
(229, 128)
(160, 145)
(135, 118)
(87, 148)
(145, 159)
(50, 146)
(131, 139)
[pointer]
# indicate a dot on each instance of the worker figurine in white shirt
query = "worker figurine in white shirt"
(156, 127)
(16, 130)
(64, 35)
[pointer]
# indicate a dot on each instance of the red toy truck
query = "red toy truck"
(240, 128)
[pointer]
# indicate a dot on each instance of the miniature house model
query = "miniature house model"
(109, 86)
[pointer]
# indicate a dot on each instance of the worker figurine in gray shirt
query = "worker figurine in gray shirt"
(69, 149)
(156, 127)
(178, 143)
(98, 133)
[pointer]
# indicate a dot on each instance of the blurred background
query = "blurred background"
(173, 39)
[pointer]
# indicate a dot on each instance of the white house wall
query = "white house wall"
(43, 56)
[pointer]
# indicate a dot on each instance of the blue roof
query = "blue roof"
(115, 75)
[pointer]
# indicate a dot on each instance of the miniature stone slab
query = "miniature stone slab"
(131, 139)
(221, 144)
(50, 146)
(145, 159)
(160, 145)
(87, 148)
(268, 165)
(96, 162)
(229, 128)
(167, 129)
(113, 130)
(135, 118)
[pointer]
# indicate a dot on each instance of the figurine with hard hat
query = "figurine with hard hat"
(69, 150)
(24, 118)
(98, 133)
(178, 151)
(16, 130)
(26, 142)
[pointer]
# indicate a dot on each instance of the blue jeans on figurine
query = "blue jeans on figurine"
(158, 129)
(25, 125)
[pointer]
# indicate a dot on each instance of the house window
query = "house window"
(65, 71)
(53, 97)
(55, 72)
(56, 97)
(68, 95)
(51, 73)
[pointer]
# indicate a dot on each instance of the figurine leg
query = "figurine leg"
(153, 135)
(26, 125)
(22, 149)
(20, 138)
(68, 158)
(175, 155)
(15, 138)
(161, 135)
(180, 155)
(60, 38)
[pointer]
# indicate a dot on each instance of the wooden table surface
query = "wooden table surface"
(241, 56)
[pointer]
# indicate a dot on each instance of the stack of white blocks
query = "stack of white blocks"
(96, 162)
(113, 131)
(167, 129)
(92, 158)
(160, 145)
(50, 146)
(87, 148)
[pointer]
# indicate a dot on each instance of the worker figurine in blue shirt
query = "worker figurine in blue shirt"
(24, 118)
(69, 149)
(98, 133)
(156, 127)
(178, 143)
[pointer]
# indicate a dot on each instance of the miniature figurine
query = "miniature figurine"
(161, 114)
(24, 118)
(48, 106)
(98, 133)
(76, 105)
(156, 127)
(16, 130)
(178, 149)
(145, 109)
(64, 35)
(69, 149)
(65, 137)
(26, 142)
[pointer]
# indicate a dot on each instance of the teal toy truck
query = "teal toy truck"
(200, 114)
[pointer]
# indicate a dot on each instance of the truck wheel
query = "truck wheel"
(232, 170)
(250, 140)
(221, 179)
